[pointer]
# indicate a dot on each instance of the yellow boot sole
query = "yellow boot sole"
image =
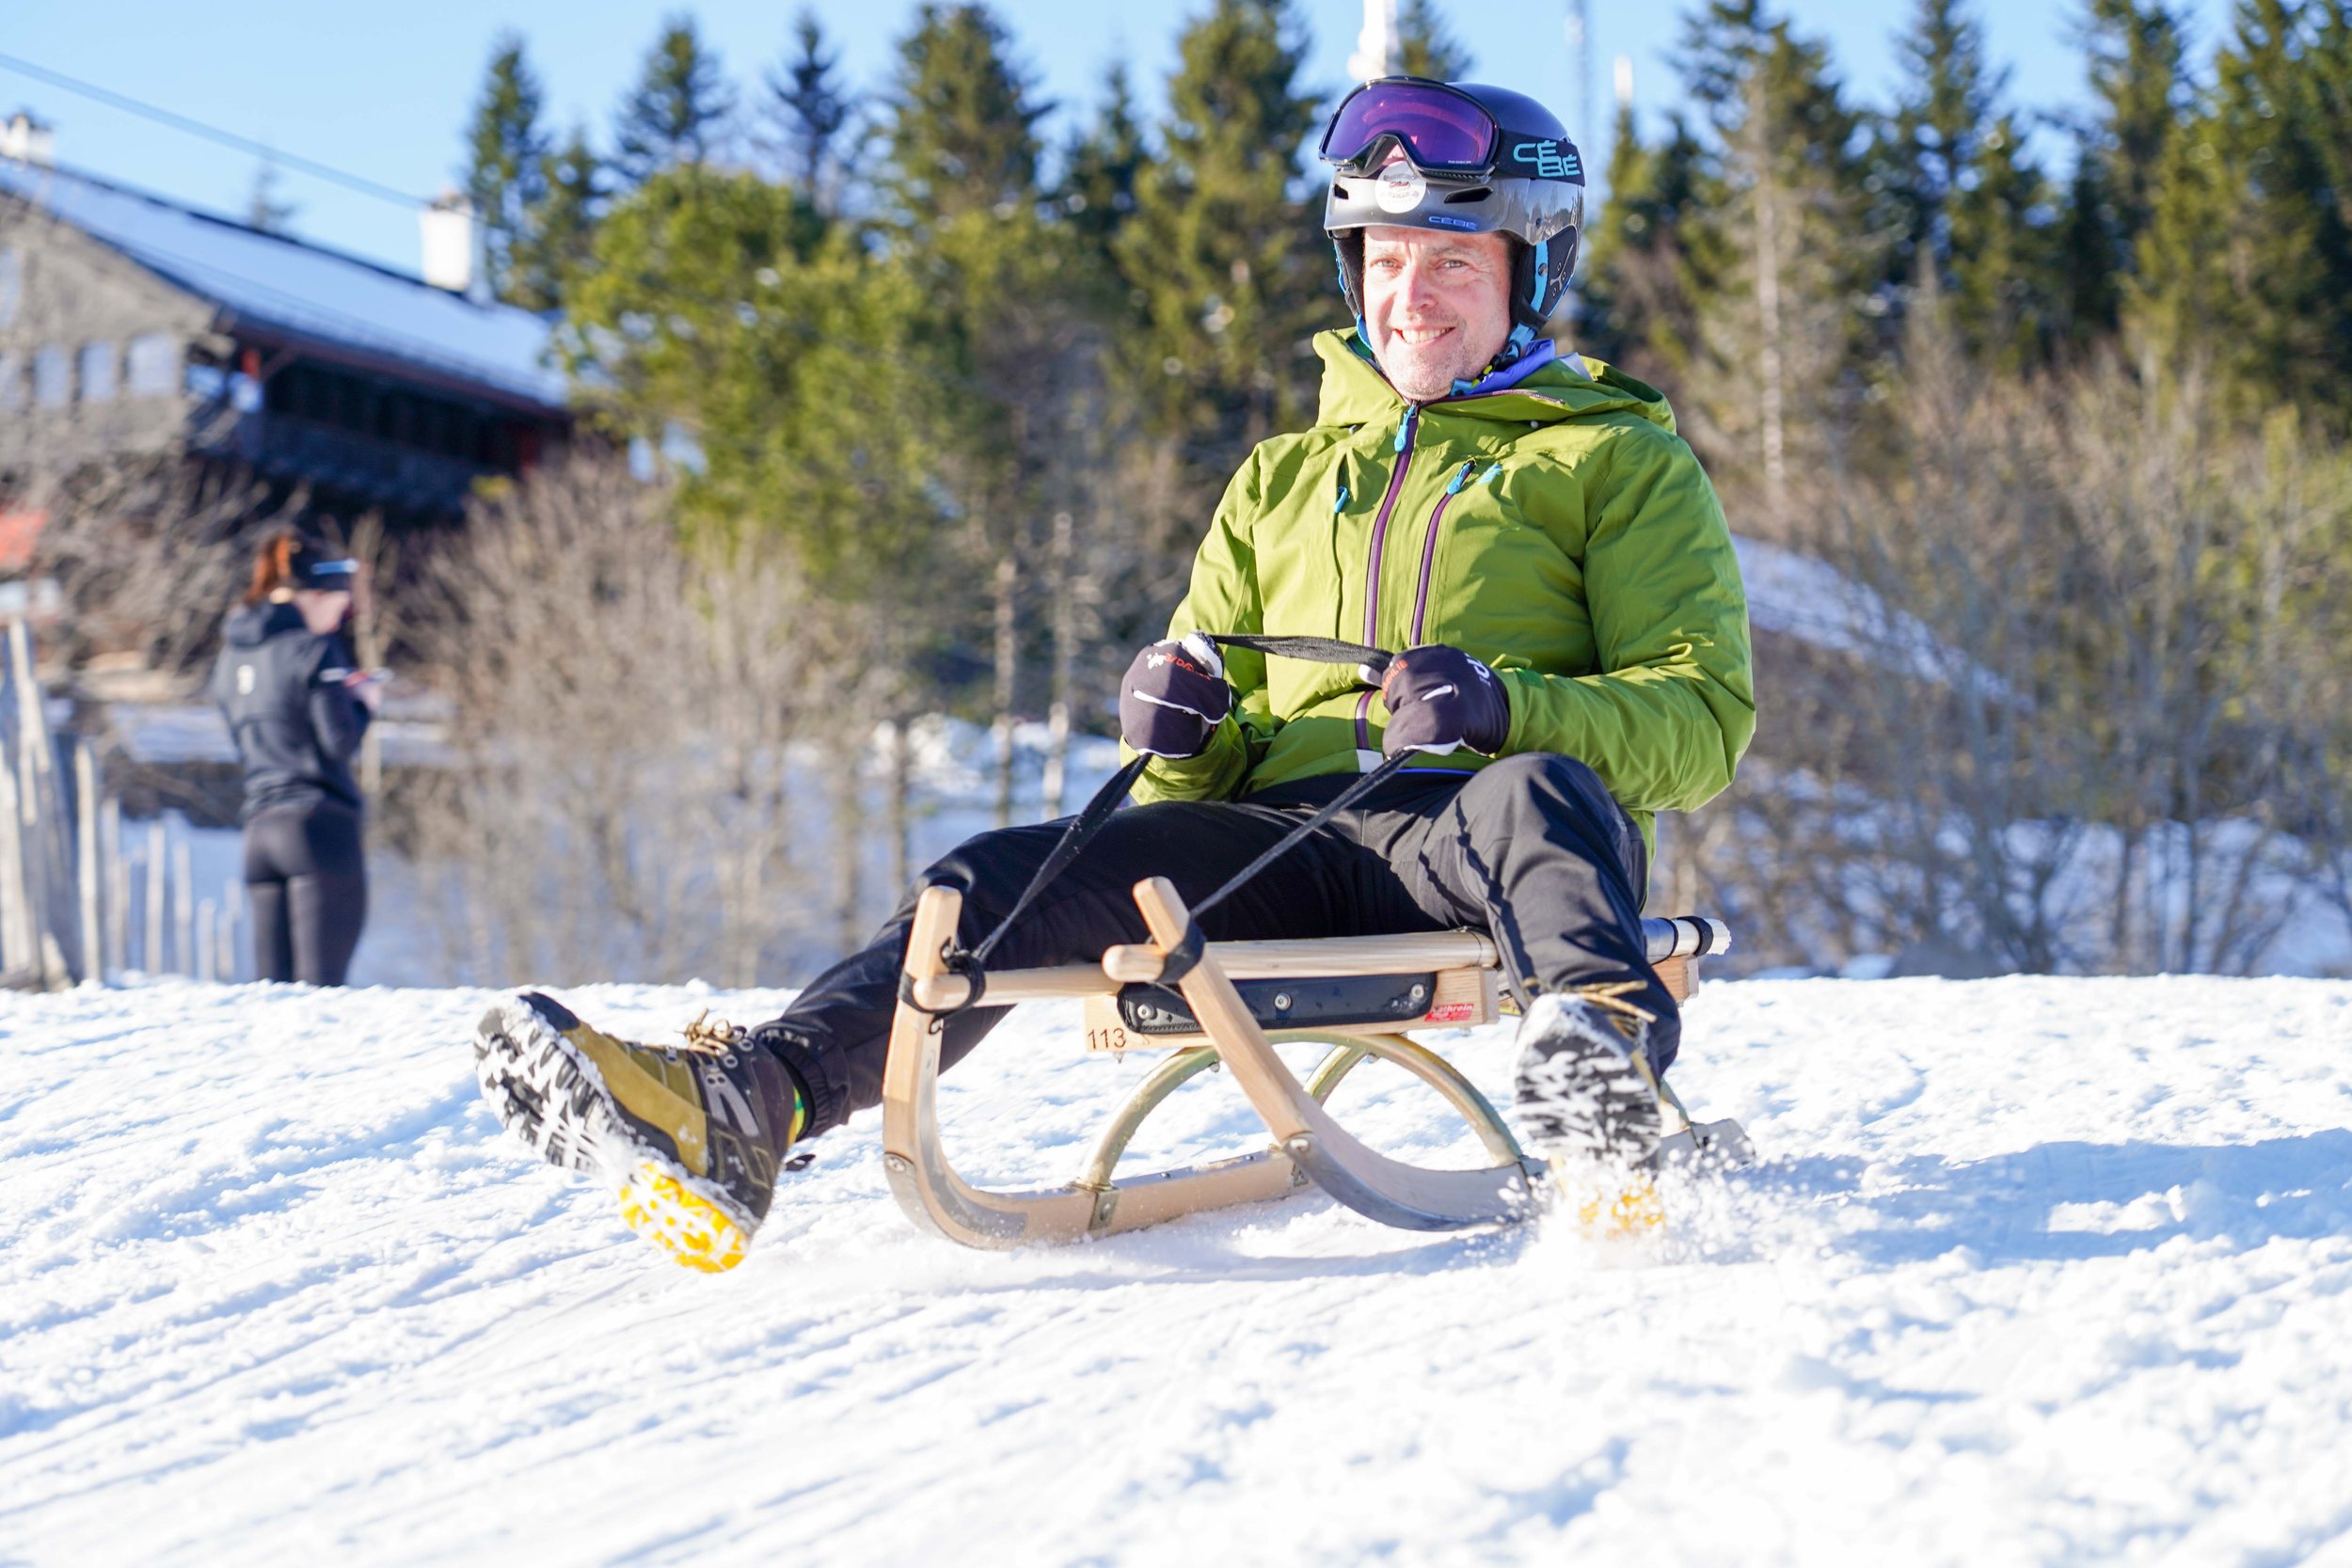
(1608, 1206)
(691, 1228)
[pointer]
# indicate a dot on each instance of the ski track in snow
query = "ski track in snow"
(2035, 1271)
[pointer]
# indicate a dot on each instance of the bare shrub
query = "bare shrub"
(144, 547)
(2099, 706)
(629, 721)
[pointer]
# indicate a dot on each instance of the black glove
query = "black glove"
(1173, 698)
(1440, 698)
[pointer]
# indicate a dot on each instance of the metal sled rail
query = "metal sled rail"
(1308, 1144)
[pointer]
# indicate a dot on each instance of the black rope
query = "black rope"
(1082, 826)
(971, 963)
(1186, 953)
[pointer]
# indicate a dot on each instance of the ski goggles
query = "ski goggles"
(1442, 130)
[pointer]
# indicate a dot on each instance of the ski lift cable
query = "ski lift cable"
(359, 183)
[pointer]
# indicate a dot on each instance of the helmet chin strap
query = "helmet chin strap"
(1514, 349)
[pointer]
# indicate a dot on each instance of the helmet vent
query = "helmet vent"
(1476, 193)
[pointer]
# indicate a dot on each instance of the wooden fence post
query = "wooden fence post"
(86, 869)
(151, 956)
(39, 812)
(183, 910)
(233, 913)
(20, 949)
(117, 868)
(207, 929)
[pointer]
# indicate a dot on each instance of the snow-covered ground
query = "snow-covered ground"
(2036, 1271)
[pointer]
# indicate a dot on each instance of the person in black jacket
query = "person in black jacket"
(298, 705)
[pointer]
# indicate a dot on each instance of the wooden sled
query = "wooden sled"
(1358, 994)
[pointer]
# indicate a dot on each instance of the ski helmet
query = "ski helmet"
(1410, 152)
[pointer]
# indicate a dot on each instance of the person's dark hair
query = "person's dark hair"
(287, 557)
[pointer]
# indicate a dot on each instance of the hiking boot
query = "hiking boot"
(690, 1136)
(1587, 1102)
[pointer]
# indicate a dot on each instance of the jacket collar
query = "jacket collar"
(1563, 387)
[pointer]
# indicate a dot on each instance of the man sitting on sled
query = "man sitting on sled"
(1525, 524)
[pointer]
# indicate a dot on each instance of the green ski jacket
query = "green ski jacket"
(1558, 529)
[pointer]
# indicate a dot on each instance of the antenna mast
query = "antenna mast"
(1580, 65)
(1375, 46)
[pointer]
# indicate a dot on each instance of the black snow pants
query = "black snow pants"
(1531, 850)
(306, 881)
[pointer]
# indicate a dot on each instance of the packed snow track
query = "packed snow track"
(2034, 1271)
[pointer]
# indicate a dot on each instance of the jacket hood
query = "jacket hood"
(249, 626)
(1355, 393)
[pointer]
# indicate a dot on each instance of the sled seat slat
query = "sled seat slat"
(1140, 963)
(1674, 946)
(1240, 960)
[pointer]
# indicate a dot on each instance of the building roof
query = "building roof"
(273, 282)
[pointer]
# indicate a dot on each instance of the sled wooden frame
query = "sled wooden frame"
(1309, 1145)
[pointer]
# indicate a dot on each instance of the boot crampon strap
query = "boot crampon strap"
(690, 1137)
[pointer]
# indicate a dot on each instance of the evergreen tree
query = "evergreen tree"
(811, 112)
(2005, 239)
(964, 128)
(791, 364)
(1004, 287)
(1424, 47)
(2138, 78)
(1783, 262)
(966, 210)
(1101, 168)
(506, 154)
(677, 115)
(1977, 210)
(2246, 261)
(1235, 272)
(558, 231)
(1945, 108)
(2138, 86)
(1633, 306)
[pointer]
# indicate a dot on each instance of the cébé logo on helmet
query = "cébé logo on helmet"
(1547, 160)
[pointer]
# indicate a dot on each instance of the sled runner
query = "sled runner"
(1225, 1005)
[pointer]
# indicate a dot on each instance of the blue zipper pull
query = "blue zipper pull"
(1461, 479)
(1404, 429)
(1492, 474)
(1339, 505)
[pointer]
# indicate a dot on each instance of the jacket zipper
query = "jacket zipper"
(1404, 434)
(1429, 553)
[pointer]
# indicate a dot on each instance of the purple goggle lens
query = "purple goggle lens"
(1440, 129)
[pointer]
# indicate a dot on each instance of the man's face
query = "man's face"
(1437, 307)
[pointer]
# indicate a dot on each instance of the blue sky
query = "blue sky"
(385, 91)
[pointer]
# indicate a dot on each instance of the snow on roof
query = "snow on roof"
(302, 289)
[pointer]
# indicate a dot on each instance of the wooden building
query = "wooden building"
(129, 324)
